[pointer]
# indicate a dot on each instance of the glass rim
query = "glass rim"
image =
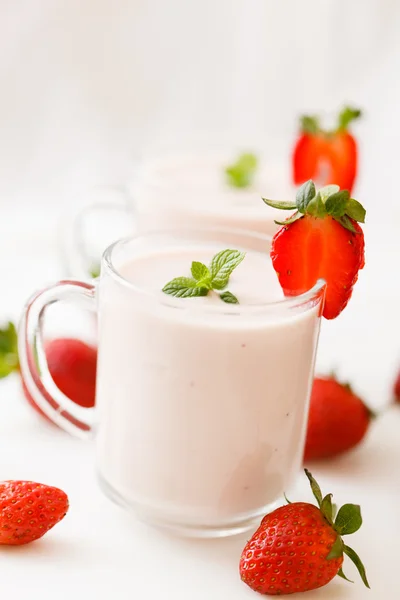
(286, 302)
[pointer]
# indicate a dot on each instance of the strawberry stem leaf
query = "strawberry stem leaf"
(326, 508)
(286, 498)
(309, 124)
(357, 561)
(336, 204)
(295, 217)
(305, 194)
(355, 210)
(8, 350)
(316, 490)
(345, 221)
(343, 576)
(346, 116)
(316, 207)
(280, 204)
(348, 519)
(337, 549)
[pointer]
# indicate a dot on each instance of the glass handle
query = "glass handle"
(71, 417)
(107, 220)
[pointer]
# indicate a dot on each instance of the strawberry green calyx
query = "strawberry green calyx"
(328, 201)
(347, 521)
(310, 124)
(346, 116)
(8, 350)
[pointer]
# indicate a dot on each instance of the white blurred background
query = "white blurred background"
(85, 84)
(88, 85)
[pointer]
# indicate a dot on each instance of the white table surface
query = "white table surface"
(100, 551)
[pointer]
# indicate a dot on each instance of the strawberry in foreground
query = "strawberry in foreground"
(28, 510)
(338, 419)
(321, 240)
(299, 547)
(326, 156)
(71, 362)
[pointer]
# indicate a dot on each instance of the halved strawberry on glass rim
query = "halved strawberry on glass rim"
(321, 240)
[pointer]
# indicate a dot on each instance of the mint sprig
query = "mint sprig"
(204, 279)
(241, 173)
(328, 201)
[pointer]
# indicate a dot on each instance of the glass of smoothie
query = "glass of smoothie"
(194, 188)
(186, 184)
(201, 405)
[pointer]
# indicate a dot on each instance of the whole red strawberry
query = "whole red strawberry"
(396, 388)
(326, 156)
(71, 362)
(299, 547)
(338, 419)
(320, 241)
(28, 510)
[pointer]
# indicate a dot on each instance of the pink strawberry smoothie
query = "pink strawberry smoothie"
(193, 190)
(202, 405)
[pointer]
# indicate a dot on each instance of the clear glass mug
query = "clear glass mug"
(179, 185)
(201, 408)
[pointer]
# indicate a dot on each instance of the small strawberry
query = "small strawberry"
(299, 547)
(28, 510)
(71, 362)
(396, 389)
(338, 419)
(321, 240)
(326, 156)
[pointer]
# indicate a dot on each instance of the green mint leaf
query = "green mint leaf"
(357, 561)
(222, 266)
(343, 576)
(200, 271)
(95, 270)
(8, 350)
(316, 490)
(328, 190)
(337, 549)
(346, 116)
(229, 298)
(184, 287)
(305, 194)
(336, 204)
(309, 124)
(326, 508)
(280, 204)
(355, 210)
(348, 519)
(241, 173)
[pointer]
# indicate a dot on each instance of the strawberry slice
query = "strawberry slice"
(321, 240)
(328, 157)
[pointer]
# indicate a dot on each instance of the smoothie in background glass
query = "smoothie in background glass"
(180, 185)
(192, 189)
